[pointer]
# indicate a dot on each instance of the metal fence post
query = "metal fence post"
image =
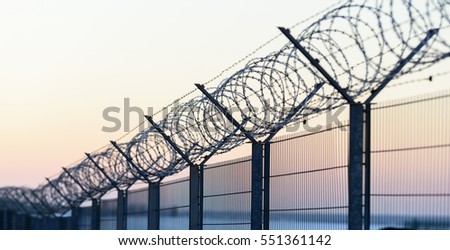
(256, 195)
(122, 203)
(201, 190)
(95, 214)
(367, 169)
(355, 170)
(194, 198)
(153, 206)
(266, 215)
(2, 219)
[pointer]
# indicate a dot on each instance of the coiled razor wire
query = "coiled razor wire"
(358, 43)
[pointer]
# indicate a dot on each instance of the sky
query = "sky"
(62, 63)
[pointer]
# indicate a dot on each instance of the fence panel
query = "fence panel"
(227, 193)
(84, 218)
(108, 214)
(174, 204)
(411, 163)
(137, 213)
(410, 176)
(309, 180)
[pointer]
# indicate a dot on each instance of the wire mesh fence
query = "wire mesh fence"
(137, 209)
(174, 204)
(227, 195)
(410, 176)
(411, 164)
(309, 180)
(108, 215)
(84, 218)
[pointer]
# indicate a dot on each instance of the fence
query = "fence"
(410, 160)
(408, 180)
(227, 191)
(174, 207)
(309, 182)
(85, 218)
(108, 218)
(137, 209)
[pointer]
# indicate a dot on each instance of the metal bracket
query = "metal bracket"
(113, 183)
(221, 143)
(60, 193)
(294, 112)
(77, 182)
(226, 113)
(33, 205)
(316, 64)
(130, 161)
(169, 140)
(402, 64)
(50, 210)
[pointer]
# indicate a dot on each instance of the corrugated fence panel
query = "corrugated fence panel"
(410, 185)
(137, 213)
(84, 219)
(174, 204)
(309, 180)
(227, 195)
(411, 163)
(108, 216)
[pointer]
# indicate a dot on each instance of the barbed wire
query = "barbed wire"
(217, 76)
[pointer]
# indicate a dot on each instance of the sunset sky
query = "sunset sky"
(63, 62)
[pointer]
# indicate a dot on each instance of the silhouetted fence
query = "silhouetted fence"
(408, 181)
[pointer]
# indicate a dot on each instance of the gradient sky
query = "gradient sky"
(63, 62)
